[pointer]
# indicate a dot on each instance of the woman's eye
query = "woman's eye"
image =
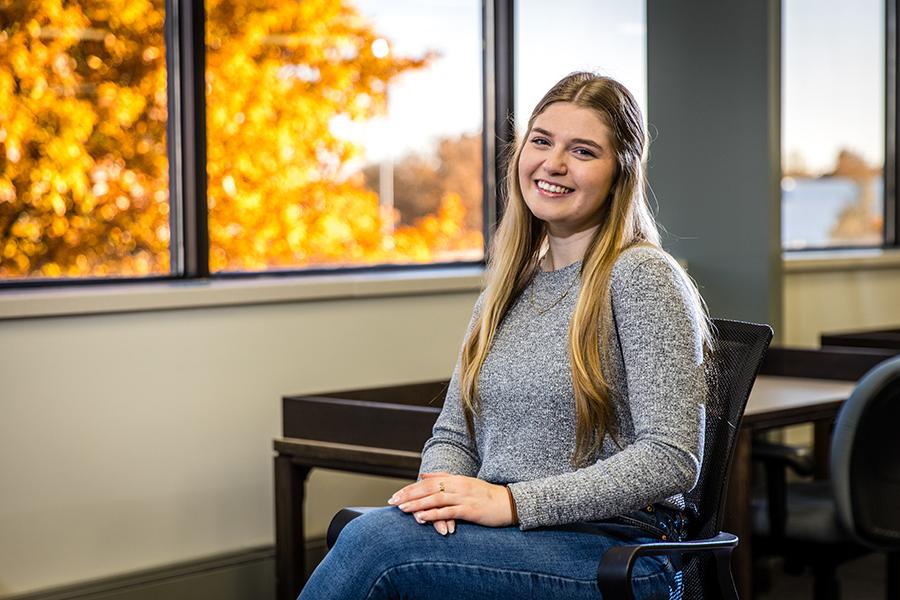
(584, 152)
(539, 141)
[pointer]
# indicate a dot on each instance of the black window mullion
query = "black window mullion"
(891, 183)
(173, 135)
(499, 129)
(186, 49)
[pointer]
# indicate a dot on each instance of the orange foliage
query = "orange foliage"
(83, 183)
(83, 167)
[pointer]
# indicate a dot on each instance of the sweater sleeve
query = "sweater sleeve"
(450, 448)
(662, 350)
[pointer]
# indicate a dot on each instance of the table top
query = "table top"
(776, 401)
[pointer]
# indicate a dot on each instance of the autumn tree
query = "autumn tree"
(83, 168)
(861, 222)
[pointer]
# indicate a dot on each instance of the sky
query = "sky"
(446, 100)
(424, 106)
(554, 38)
(833, 79)
(832, 69)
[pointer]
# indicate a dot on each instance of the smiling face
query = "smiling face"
(567, 167)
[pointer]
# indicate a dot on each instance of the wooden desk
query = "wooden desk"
(376, 431)
(774, 402)
(294, 460)
(872, 338)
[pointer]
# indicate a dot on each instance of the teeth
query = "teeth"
(552, 188)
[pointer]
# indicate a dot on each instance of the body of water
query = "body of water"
(810, 209)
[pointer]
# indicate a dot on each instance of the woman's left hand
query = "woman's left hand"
(441, 496)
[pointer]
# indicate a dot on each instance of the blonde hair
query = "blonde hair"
(515, 252)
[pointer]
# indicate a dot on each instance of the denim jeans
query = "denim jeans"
(386, 554)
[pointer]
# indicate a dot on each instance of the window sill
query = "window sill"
(93, 300)
(841, 260)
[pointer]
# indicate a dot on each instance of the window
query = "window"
(345, 133)
(83, 163)
(620, 52)
(833, 123)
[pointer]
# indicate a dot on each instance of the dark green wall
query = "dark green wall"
(713, 112)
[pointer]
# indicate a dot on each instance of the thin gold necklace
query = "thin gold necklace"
(539, 310)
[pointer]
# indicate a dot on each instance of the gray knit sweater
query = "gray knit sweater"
(525, 432)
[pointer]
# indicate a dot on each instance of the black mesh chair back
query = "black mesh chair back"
(865, 459)
(731, 370)
(730, 373)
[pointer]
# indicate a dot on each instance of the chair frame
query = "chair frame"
(614, 571)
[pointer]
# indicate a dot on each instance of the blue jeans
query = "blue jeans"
(386, 554)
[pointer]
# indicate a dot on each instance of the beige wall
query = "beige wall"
(841, 298)
(134, 440)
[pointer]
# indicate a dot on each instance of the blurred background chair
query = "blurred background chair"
(704, 559)
(822, 524)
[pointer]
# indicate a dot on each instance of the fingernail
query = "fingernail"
(442, 528)
(392, 499)
(452, 527)
(403, 506)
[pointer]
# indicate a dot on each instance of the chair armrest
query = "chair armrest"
(800, 460)
(340, 520)
(614, 570)
(776, 459)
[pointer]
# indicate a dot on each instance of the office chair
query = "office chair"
(705, 557)
(826, 523)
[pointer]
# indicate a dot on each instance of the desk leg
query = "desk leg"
(737, 514)
(893, 575)
(290, 548)
(822, 448)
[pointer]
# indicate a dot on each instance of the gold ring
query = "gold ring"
(441, 485)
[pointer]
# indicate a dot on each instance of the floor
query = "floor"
(862, 579)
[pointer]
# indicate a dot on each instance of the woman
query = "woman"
(574, 418)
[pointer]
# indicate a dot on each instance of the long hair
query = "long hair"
(515, 251)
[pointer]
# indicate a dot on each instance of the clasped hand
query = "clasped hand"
(441, 498)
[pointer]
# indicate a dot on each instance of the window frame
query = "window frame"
(184, 34)
(891, 107)
(890, 172)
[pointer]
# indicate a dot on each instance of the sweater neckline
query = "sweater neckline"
(559, 274)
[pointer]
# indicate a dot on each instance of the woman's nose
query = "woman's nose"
(555, 163)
